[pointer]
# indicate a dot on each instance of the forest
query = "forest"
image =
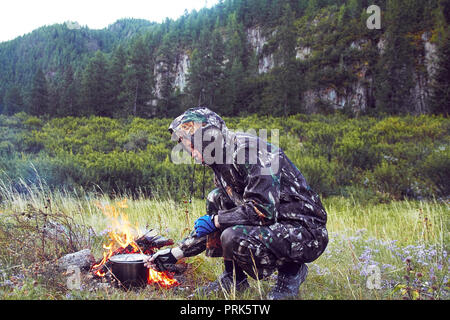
(242, 57)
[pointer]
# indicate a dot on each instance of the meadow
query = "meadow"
(383, 181)
(406, 242)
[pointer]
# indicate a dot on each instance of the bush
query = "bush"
(356, 149)
(6, 148)
(436, 170)
(391, 179)
(319, 173)
(386, 158)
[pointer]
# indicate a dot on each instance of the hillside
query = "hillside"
(241, 56)
(52, 48)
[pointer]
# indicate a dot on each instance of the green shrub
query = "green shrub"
(33, 123)
(319, 173)
(391, 179)
(436, 170)
(356, 149)
(6, 148)
(391, 157)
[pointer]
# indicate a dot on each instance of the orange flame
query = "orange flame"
(121, 236)
(161, 278)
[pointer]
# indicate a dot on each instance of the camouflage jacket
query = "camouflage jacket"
(253, 177)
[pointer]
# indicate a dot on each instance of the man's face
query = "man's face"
(190, 148)
(185, 133)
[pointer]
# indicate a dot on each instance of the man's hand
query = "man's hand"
(163, 260)
(204, 225)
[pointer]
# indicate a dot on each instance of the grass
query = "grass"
(404, 242)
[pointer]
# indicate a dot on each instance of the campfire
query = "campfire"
(126, 239)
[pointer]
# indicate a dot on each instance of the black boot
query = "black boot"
(288, 283)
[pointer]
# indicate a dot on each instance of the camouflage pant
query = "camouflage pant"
(260, 250)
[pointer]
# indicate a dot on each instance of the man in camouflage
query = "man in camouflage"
(262, 217)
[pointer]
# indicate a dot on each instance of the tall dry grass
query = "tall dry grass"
(407, 241)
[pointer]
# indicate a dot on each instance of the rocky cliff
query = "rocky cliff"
(358, 96)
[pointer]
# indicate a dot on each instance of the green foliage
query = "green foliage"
(39, 95)
(69, 102)
(138, 81)
(436, 169)
(13, 101)
(320, 174)
(357, 150)
(391, 179)
(440, 95)
(96, 86)
(387, 158)
(130, 67)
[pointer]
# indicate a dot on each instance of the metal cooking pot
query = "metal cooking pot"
(129, 269)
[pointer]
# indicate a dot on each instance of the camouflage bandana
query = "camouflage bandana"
(187, 125)
(195, 115)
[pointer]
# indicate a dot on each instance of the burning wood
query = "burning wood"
(147, 244)
(124, 241)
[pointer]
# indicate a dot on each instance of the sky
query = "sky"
(18, 17)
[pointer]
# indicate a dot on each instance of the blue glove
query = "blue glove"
(204, 225)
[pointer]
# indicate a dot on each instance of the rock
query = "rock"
(302, 53)
(182, 69)
(82, 259)
(55, 230)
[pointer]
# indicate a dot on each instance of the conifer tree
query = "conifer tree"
(286, 89)
(165, 60)
(117, 65)
(68, 105)
(39, 97)
(311, 9)
(394, 76)
(96, 87)
(235, 67)
(205, 73)
(440, 84)
(13, 101)
(138, 79)
(1, 102)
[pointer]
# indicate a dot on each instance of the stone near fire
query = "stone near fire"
(82, 259)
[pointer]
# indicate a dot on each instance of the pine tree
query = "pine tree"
(311, 9)
(286, 90)
(205, 73)
(117, 69)
(68, 105)
(1, 101)
(139, 79)
(13, 101)
(274, 13)
(39, 96)
(394, 76)
(354, 8)
(440, 90)
(165, 60)
(195, 79)
(235, 71)
(96, 87)
(440, 85)
(344, 15)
